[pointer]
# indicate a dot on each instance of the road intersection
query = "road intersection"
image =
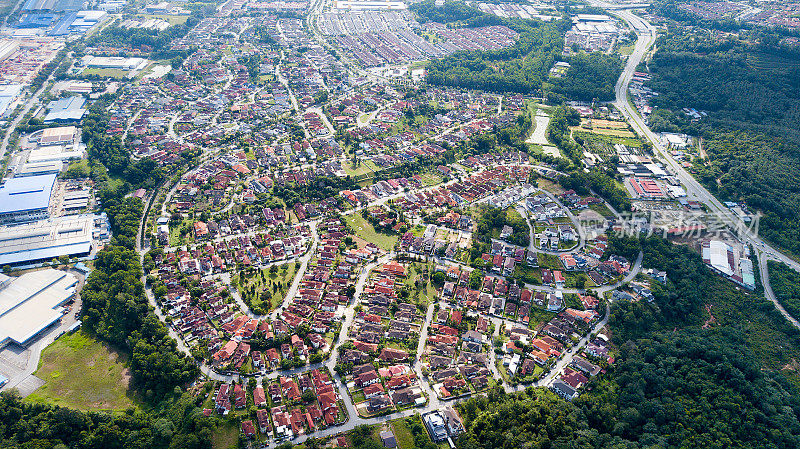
(647, 34)
(646, 39)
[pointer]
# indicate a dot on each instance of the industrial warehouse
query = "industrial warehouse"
(44, 240)
(26, 199)
(33, 302)
(731, 260)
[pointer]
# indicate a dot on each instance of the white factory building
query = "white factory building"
(32, 302)
(44, 240)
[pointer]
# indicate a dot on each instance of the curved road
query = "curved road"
(763, 269)
(694, 190)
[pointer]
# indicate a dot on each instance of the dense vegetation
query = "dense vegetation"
(670, 9)
(180, 425)
(492, 221)
(525, 66)
(785, 283)
(116, 310)
(673, 384)
(590, 76)
(451, 11)
(520, 68)
(599, 183)
(157, 42)
(317, 189)
(108, 149)
(751, 91)
(742, 85)
(764, 172)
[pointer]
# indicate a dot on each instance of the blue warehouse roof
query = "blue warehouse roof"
(28, 193)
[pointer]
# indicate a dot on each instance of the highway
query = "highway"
(694, 190)
(646, 39)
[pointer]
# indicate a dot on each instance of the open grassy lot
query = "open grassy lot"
(181, 233)
(602, 209)
(630, 141)
(226, 436)
(610, 124)
(371, 165)
(626, 50)
(402, 433)
(362, 169)
(539, 316)
(430, 179)
(363, 229)
(603, 131)
(173, 19)
(550, 261)
(549, 185)
(366, 117)
(82, 373)
(111, 73)
(528, 274)
(614, 132)
(427, 293)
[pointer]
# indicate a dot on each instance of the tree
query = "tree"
(475, 279)
(438, 279)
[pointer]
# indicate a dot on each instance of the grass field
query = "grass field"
(550, 186)
(614, 132)
(362, 169)
(110, 73)
(82, 373)
(366, 117)
(171, 18)
(550, 261)
(539, 316)
(402, 433)
(601, 209)
(428, 293)
(371, 165)
(267, 281)
(626, 50)
(610, 124)
(611, 132)
(430, 179)
(528, 274)
(226, 436)
(186, 227)
(365, 230)
(627, 141)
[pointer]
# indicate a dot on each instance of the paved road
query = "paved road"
(575, 223)
(768, 293)
(29, 104)
(19, 364)
(694, 190)
(347, 321)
